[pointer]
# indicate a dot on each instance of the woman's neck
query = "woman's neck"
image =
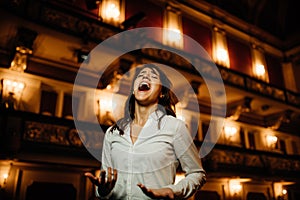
(142, 113)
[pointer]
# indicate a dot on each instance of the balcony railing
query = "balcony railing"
(28, 132)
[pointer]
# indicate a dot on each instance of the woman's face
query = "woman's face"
(147, 86)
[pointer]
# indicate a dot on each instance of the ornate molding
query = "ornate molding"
(62, 135)
(91, 29)
(268, 162)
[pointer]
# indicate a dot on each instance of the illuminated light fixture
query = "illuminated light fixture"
(271, 141)
(12, 92)
(19, 63)
(230, 132)
(220, 52)
(280, 190)
(284, 191)
(13, 86)
(172, 34)
(235, 188)
(110, 11)
(105, 107)
(259, 63)
(222, 55)
(260, 70)
(82, 56)
(4, 173)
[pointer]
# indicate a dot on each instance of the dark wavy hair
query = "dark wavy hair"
(166, 102)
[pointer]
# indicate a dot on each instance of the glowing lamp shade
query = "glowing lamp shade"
(235, 188)
(172, 34)
(110, 11)
(12, 91)
(284, 191)
(230, 131)
(260, 70)
(4, 173)
(271, 141)
(222, 55)
(11, 86)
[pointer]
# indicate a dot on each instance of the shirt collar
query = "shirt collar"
(156, 115)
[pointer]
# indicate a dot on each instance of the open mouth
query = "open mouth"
(144, 86)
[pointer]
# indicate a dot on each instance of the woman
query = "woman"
(142, 150)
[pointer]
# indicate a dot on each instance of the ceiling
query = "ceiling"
(277, 17)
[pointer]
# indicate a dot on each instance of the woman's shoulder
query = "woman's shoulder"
(173, 119)
(173, 122)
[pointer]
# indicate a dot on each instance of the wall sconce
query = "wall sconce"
(172, 34)
(283, 195)
(222, 55)
(235, 189)
(271, 141)
(110, 11)
(19, 63)
(280, 190)
(220, 52)
(105, 109)
(230, 132)
(82, 56)
(4, 173)
(12, 93)
(259, 63)
(260, 70)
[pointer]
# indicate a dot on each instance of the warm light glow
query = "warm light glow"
(259, 64)
(220, 49)
(222, 55)
(284, 191)
(279, 188)
(173, 35)
(230, 131)
(5, 176)
(19, 63)
(260, 70)
(271, 141)
(13, 86)
(235, 187)
(105, 105)
(4, 171)
(111, 10)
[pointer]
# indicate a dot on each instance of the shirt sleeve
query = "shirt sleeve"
(106, 161)
(186, 152)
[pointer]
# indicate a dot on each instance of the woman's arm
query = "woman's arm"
(108, 176)
(186, 152)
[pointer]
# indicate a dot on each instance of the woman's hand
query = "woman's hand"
(165, 193)
(105, 184)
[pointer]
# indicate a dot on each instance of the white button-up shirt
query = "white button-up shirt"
(152, 160)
